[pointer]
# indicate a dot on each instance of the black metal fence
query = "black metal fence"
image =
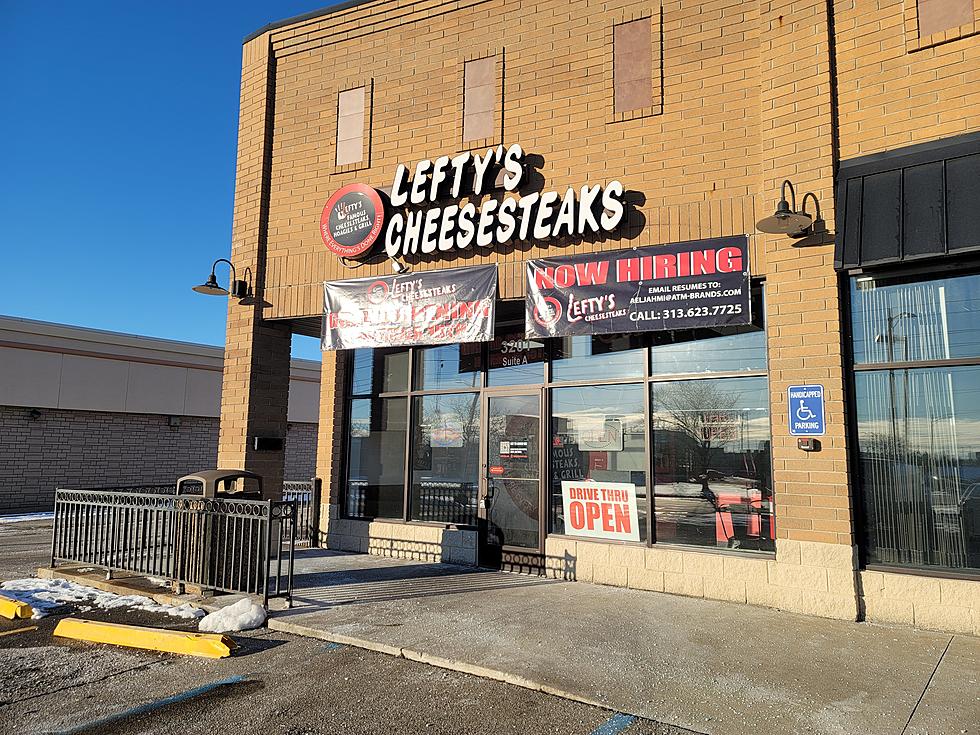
(306, 495)
(214, 543)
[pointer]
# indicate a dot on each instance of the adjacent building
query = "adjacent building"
(90, 408)
(582, 345)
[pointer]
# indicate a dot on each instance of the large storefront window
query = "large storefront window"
(449, 367)
(601, 356)
(376, 473)
(712, 465)
(445, 457)
(598, 433)
(676, 422)
(917, 399)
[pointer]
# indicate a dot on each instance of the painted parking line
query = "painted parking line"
(615, 724)
(98, 725)
(333, 646)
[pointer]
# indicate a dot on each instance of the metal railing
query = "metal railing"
(217, 544)
(306, 495)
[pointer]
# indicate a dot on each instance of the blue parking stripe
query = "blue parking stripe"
(96, 725)
(615, 724)
(333, 646)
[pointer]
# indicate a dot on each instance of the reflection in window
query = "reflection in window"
(445, 458)
(919, 441)
(601, 356)
(895, 320)
(383, 370)
(449, 366)
(726, 349)
(514, 359)
(712, 466)
(376, 473)
(513, 431)
(712, 350)
(598, 433)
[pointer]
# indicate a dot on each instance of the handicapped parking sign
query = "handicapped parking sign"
(806, 415)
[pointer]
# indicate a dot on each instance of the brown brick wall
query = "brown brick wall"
(893, 90)
(97, 448)
(698, 164)
(255, 386)
(746, 102)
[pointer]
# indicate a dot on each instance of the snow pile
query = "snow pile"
(44, 595)
(27, 517)
(243, 615)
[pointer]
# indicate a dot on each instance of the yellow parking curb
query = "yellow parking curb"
(14, 609)
(208, 645)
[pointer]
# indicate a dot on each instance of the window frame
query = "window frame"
(547, 385)
(917, 273)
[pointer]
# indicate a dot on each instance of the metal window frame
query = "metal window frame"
(915, 273)
(646, 379)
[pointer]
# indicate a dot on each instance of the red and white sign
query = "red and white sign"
(351, 221)
(496, 470)
(600, 509)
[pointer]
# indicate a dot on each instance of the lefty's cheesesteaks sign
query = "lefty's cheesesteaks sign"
(420, 220)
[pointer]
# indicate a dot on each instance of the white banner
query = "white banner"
(600, 509)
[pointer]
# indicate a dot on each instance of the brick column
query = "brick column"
(330, 439)
(815, 563)
(255, 385)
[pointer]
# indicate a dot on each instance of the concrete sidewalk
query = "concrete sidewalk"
(711, 667)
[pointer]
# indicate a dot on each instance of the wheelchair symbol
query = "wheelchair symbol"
(803, 413)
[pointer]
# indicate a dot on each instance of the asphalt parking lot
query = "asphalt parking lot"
(275, 683)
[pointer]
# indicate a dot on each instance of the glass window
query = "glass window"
(376, 471)
(896, 319)
(449, 366)
(712, 463)
(919, 444)
(598, 433)
(722, 350)
(380, 371)
(514, 359)
(605, 356)
(717, 350)
(513, 460)
(446, 458)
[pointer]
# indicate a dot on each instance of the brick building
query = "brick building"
(89, 408)
(688, 117)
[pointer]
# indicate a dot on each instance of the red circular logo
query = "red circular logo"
(547, 313)
(351, 221)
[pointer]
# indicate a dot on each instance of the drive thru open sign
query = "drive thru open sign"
(806, 414)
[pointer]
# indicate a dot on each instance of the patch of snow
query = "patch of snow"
(44, 595)
(158, 582)
(27, 517)
(243, 615)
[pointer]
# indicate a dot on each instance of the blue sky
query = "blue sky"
(119, 123)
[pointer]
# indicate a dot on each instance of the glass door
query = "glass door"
(511, 522)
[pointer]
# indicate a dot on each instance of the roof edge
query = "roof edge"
(336, 8)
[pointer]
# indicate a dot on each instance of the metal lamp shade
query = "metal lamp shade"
(211, 287)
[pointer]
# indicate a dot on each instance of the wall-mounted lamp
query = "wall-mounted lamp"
(239, 289)
(399, 267)
(34, 414)
(786, 220)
